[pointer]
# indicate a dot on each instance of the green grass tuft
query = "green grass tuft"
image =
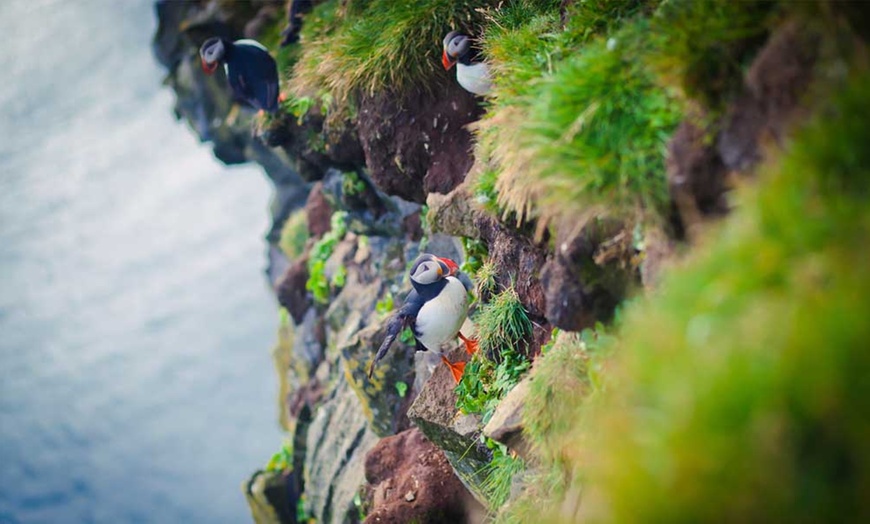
(503, 326)
(597, 134)
(499, 474)
(381, 45)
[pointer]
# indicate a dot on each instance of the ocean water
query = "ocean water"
(136, 383)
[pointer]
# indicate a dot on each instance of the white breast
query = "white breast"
(474, 78)
(439, 319)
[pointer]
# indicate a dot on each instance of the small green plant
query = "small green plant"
(475, 253)
(301, 514)
(317, 283)
(485, 193)
(385, 305)
(339, 278)
(298, 106)
(401, 389)
(499, 473)
(282, 461)
(503, 329)
(486, 284)
(352, 184)
(359, 505)
(407, 336)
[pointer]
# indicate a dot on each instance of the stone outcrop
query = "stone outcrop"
(434, 412)
(410, 480)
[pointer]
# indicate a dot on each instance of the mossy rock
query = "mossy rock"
(381, 397)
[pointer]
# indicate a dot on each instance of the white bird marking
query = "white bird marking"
(474, 78)
(247, 41)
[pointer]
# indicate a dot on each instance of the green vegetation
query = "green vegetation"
(599, 132)
(318, 283)
(499, 473)
(385, 305)
(406, 336)
(748, 376)
(352, 184)
(475, 252)
(565, 379)
(503, 331)
(486, 284)
(378, 45)
(294, 235)
(737, 393)
(282, 461)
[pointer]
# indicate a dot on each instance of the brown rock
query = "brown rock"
(318, 212)
(773, 96)
(588, 275)
(411, 481)
(417, 144)
(696, 174)
(291, 290)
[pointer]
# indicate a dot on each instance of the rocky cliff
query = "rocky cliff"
(622, 138)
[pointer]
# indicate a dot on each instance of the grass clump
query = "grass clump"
(499, 474)
(318, 283)
(381, 45)
(576, 122)
(503, 330)
(294, 235)
(596, 136)
(740, 392)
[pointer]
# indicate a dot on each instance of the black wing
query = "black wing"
(405, 317)
(253, 75)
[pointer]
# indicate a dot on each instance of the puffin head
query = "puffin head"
(211, 53)
(455, 46)
(428, 269)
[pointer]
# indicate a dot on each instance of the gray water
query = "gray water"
(135, 322)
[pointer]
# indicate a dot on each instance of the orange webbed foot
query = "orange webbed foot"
(456, 368)
(470, 344)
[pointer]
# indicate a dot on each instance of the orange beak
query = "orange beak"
(446, 60)
(208, 68)
(451, 266)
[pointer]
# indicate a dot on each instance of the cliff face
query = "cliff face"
(609, 148)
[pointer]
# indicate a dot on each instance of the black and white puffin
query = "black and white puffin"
(435, 310)
(472, 72)
(251, 70)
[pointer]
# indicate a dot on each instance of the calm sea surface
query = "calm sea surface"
(135, 321)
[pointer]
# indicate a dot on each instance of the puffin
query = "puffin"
(472, 72)
(435, 310)
(251, 70)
